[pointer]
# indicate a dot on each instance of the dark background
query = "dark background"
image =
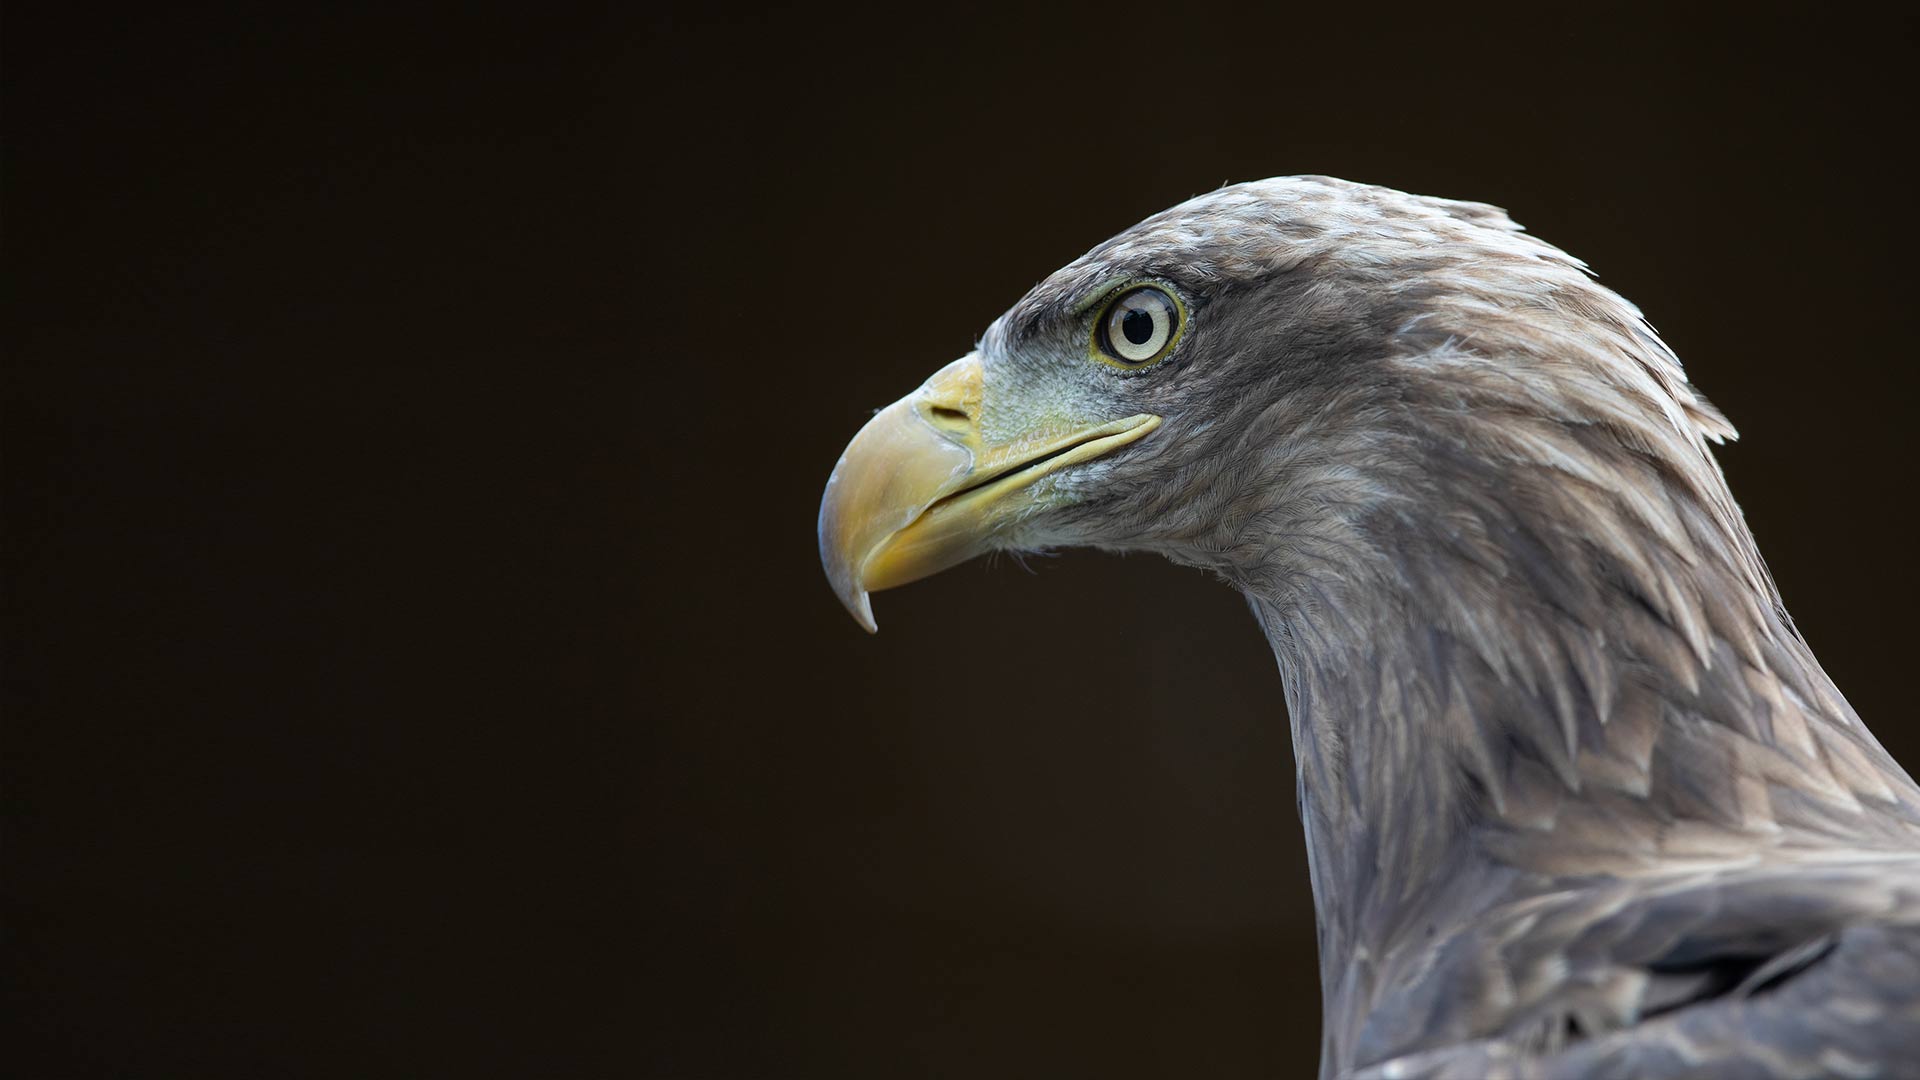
(417, 658)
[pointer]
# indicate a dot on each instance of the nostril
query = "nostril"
(942, 412)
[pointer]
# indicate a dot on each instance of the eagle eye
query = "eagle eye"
(1138, 328)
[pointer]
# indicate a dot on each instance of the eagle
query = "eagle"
(1578, 798)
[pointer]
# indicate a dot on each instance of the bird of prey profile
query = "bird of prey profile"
(1578, 799)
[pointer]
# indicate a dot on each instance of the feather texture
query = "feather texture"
(1579, 800)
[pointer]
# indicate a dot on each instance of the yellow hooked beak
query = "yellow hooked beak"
(920, 489)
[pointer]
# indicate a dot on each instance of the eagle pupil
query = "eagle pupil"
(1137, 325)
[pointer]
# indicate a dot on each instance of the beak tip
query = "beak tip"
(846, 584)
(860, 604)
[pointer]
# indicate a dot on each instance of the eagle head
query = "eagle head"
(1299, 383)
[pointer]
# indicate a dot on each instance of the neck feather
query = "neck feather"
(1535, 648)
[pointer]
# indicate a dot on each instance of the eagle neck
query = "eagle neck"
(1525, 634)
(1389, 814)
(1489, 707)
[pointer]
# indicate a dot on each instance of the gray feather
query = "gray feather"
(1579, 800)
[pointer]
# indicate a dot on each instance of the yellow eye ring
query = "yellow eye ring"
(1138, 328)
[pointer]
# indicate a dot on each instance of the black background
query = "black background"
(418, 662)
